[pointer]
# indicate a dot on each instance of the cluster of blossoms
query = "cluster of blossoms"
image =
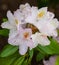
(30, 26)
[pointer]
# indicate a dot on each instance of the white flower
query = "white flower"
(13, 20)
(25, 9)
(37, 15)
(24, 6)
(48, 27)
(19, 16)
(32, 18)
(39, 38)
(42, 12)
(55, 23)
(22, 38)
(11, 23)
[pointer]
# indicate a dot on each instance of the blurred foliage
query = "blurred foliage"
(42, 3)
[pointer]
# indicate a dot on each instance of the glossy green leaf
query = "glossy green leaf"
(8, 60)
(19, 61)
(30, 56)
(57, 61)
(4, 32)
(31, 53)
(8, 50)
(51, 49)
(40, 56)
(25, 62)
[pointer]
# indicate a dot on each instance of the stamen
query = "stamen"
(16, 21)
(40, 14)
(26, 34)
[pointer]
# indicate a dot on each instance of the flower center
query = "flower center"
(34, 29)
(26, 34)
(40, 14)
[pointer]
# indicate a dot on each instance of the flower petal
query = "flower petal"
(40, 39)
(55, 23)
(49, 15)
(42, 13)
(23, 49)
(30, 44)
(6, 25)
(19, 16)
(13, 38)
(11, 18)
(33, 15)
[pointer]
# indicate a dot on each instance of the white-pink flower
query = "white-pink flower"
(22, 38)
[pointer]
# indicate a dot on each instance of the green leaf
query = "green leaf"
(25, 62)
(31, 53)
(30, 56)
(4, 32)
(4, 20)
(57, 61)
(40, 56)
(8, 60)
(51, 49)
(19, 61)
(8, 50)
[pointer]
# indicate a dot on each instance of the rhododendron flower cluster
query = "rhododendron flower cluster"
(23, 22)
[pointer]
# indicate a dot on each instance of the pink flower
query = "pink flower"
(51, 61)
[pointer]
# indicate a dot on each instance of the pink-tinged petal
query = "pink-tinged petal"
(29, 31)
(46, 62)
(30, 44)
(25, 33)
(44, 41)
(51, 61)
(23, 49)
(39, 38)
